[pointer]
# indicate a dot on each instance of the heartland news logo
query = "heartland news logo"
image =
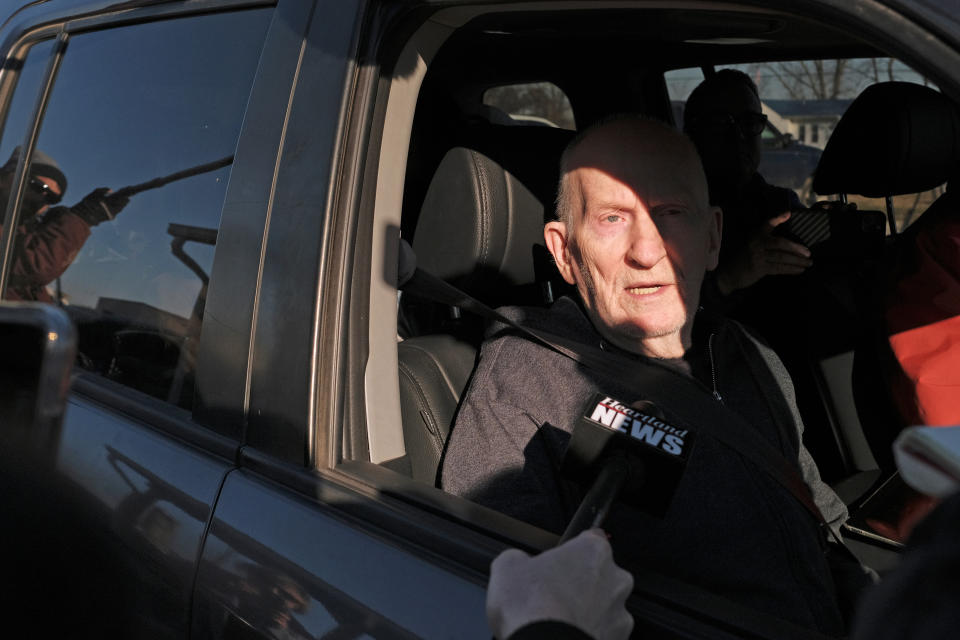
(648, 429)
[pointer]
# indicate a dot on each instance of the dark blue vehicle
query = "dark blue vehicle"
(213, 423)
(788, 163)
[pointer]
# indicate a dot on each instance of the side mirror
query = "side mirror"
(38, 345)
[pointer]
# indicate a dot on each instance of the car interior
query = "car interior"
(479, 183)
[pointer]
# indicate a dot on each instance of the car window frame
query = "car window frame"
(214, 430)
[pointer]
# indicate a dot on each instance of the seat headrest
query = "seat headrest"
(530, 154)
(478, 225)
(895, 138)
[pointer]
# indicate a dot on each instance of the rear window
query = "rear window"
(537, 103)
(804, 100)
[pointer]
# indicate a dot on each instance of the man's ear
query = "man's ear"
(555, 235)
(715, 222)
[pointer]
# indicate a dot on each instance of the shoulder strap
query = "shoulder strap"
(682, 395)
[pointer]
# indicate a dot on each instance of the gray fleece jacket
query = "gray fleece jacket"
(729, 527)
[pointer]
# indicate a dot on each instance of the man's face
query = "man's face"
(729, 149)
(40, 192)
(642, 238)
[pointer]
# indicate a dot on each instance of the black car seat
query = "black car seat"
(896, 138)
(479, 228)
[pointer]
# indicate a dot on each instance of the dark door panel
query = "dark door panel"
(114, 548)
(278, 565)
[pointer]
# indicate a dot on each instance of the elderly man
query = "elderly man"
(636, 236)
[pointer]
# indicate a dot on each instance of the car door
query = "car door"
(291, 551)
(152, 99)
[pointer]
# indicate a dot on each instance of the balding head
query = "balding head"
(635, 232)
(625, 145)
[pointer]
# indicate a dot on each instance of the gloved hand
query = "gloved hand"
(577, 583)
(99, 206)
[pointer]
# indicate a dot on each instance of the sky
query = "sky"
(128, 107)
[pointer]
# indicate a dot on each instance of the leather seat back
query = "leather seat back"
(479, 228)
(434, 371)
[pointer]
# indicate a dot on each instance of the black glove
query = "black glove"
(99, 206)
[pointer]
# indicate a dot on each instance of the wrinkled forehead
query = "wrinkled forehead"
(643, 162)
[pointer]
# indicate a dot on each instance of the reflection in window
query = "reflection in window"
(126, 186)
(537, 103)
(22, 105)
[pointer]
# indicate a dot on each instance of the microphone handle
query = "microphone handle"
(596, 504)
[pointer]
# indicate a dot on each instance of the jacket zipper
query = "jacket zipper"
(713, 369)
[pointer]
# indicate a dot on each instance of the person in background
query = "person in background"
(48, 237)
(724, 119)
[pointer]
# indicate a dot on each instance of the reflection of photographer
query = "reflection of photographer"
(48, 239)
(100, 205)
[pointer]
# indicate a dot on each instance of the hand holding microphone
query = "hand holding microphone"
(576, 583)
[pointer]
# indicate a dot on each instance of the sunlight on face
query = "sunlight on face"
(642, 238)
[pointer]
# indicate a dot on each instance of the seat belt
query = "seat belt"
(684, 396)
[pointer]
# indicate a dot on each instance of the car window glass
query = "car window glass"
(24, 99)
(804, 100)
(123, 201)
(770, 136)
(680, 82)
(537, 103)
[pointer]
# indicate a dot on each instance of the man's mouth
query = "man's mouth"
(643, 291)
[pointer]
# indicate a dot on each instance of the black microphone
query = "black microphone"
(626, 452)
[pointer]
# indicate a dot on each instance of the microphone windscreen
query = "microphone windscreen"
(642, 433)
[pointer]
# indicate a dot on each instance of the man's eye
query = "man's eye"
(670, 211)
(612, 218)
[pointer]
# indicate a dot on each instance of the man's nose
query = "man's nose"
(646, 244)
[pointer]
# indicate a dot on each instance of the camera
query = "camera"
(836, 229)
